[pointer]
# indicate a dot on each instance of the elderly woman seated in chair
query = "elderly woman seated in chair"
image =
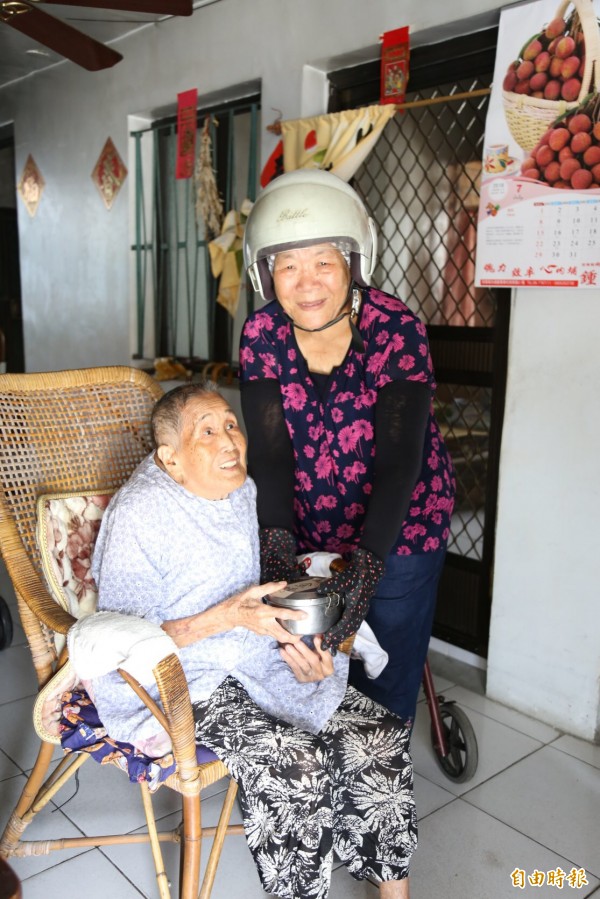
(319, 766)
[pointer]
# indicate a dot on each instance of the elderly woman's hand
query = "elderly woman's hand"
(246, 609)
(309, 665)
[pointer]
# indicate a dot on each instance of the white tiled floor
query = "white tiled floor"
(533, 805)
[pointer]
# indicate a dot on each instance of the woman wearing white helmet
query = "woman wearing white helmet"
(337, 389)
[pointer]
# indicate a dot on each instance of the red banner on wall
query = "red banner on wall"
(187, 102)
(395, 51)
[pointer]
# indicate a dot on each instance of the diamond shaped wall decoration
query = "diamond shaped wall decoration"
(31, 186)
(109, 173)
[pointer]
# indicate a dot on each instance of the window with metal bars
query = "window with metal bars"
(176, 310)
(420, 184)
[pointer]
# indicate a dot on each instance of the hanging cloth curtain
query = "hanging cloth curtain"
(225, 251)
(226, 259)
(337, 142)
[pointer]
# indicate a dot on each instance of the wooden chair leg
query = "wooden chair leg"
(16, 823)
(191, 847)
(217, 845)
(159, 865)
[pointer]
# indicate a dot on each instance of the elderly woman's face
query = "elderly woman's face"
(210, 460)
(311, 283)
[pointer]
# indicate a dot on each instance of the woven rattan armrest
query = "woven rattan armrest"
(176, 715)
(32, 590)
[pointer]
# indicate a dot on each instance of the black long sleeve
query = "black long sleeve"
(401, 415)
(270, 452)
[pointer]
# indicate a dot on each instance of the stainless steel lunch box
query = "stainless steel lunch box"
(322, 611)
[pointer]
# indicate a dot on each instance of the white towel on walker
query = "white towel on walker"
(105, 641)
(366, 646)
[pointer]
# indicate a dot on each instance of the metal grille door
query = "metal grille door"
(421, 185)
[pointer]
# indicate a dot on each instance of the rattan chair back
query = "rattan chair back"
(63, 431)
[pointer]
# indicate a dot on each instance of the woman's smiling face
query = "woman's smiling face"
(311, 283)
(209, 458)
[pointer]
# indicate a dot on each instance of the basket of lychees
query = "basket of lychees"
(567, 155)
(555, 71)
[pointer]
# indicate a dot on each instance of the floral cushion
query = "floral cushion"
(68, 525)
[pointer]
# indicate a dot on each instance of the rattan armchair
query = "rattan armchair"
(83, 430)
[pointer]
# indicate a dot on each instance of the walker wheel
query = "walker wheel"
(6, 625)
(461, 762)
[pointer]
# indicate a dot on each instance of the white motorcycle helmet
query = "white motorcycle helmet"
(305, 207)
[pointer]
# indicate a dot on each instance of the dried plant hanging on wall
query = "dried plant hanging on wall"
(109, 173)
(31, 186)
(209, 206)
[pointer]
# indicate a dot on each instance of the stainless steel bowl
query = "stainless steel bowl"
(322, 611)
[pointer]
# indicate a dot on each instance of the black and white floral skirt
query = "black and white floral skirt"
(348, 789)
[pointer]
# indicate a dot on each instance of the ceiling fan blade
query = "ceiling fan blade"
(58, 36)
(158, 7)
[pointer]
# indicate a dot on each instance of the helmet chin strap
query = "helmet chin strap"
(354, 293)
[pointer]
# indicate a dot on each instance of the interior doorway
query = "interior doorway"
(12, 356)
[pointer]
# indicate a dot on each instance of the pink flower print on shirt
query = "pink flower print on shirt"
(316, 431)
(299, 512)
(344, 397)
(398, 342)
(353, 472)
(326, 501)
(324, 467)
(431, 544)
(283, 332)
(304, 481)
(337, 415)
(295, 396)
(309, 451)
(323, 527)
(353, 510)
(365, 400)
(348, 438)
(434, 460)
(419, 489)
(412, 531)
(437, 483)
(423, 350)
(349, 370)
(406, 362)
(246, 355)
(270, 367)
(364, 429)
(387, 301)
(382, 338)
(344, 531)
(291, 354)
(255, 326)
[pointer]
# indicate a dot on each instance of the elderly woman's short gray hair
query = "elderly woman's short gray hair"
(166, 421)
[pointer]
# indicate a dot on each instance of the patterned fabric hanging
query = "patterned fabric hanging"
(337, 142)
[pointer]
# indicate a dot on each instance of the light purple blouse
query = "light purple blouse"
(164, 553)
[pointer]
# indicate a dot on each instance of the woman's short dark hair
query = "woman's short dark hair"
(167, 413)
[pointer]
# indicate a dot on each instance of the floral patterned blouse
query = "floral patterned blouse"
(333, 433)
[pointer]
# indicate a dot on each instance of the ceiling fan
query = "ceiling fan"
(27, 17)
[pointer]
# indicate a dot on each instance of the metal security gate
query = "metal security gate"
(421, 185)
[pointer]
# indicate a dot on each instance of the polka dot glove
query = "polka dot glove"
(278, 560)
(357, 583)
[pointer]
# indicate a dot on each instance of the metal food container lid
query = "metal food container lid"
(304, 589)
